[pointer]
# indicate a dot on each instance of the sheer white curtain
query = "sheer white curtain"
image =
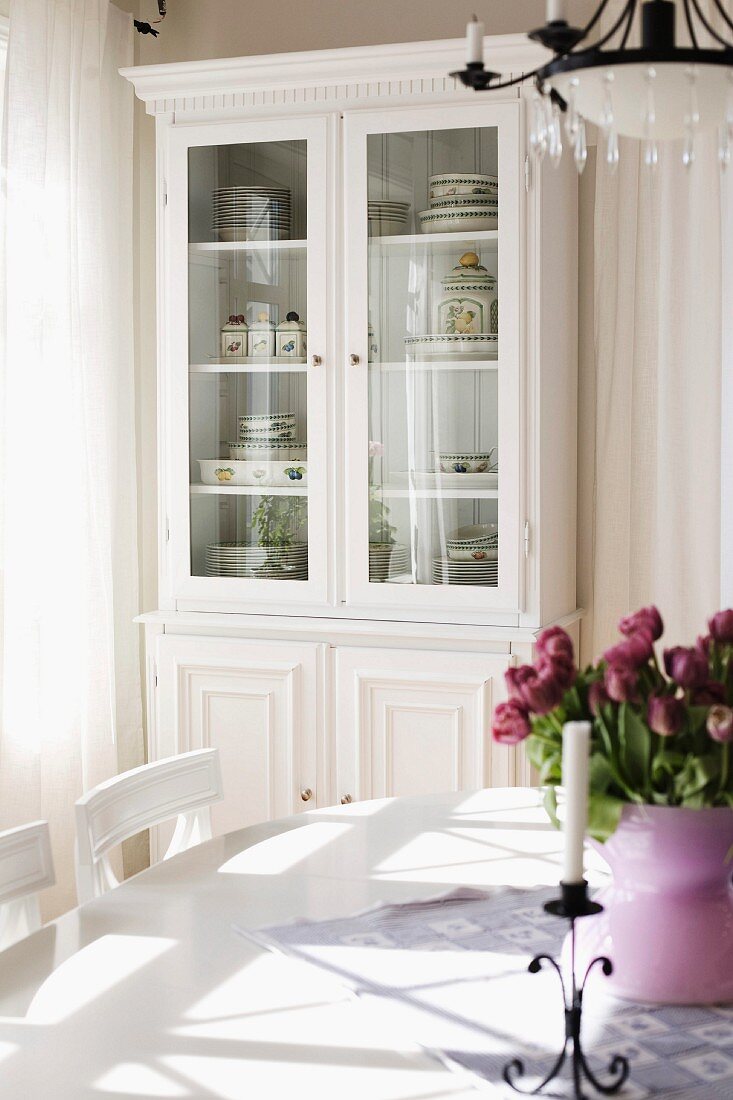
(71, 710)
(651, 516)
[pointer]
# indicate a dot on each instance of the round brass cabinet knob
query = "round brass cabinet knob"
(316, 360)
(306, 794)
(354, 360)
(346, 799)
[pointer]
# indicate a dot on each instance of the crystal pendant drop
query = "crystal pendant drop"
(607, 118)
(581, 148)
(651, 153)
(538, 136)
(555, 135)
(692, 117)
(688, 149)
(571, 116)
(612, 149)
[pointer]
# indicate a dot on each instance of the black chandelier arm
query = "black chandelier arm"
(690, 23)
(628, 6)
(724, 13)
(710, 29)
(630, 23)
(590, 25)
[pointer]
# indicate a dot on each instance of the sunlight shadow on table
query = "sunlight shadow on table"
(283, 852)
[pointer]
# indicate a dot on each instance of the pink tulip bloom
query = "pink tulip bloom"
(646, 618)
(665, 715)
(720, 724)
(687, 667)
(622, 684)
(511, 723)
(632, 653)
(721, 626)
(555, 642)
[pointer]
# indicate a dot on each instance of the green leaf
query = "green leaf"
(635, 740)
(601, 773)
(550, 803)
(695, 775)
(604, 814)
(551, 770)
(698, 718)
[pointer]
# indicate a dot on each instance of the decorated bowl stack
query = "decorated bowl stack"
(460, 203)
(267, 429)
(251, 213)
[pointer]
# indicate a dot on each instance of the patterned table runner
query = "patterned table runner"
(452, 971)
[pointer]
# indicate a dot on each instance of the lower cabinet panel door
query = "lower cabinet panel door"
(260, 704)
(412, 722)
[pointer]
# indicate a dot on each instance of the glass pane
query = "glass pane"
(248, 411)
(433, 221)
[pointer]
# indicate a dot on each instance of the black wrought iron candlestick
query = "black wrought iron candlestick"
(572, 904)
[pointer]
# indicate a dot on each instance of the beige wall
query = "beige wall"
(195, 29)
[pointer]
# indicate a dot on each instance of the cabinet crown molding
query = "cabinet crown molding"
(322, 75)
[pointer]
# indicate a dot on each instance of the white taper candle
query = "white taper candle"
(474, 40)
(555, 10)
(575, 760)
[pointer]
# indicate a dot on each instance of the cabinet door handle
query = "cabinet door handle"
(306, 794)
(316, 360)
(346, 799)
(354, 360)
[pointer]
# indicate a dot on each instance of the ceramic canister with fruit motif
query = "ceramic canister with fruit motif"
(290, 338)
(469, 304)
(234, 337)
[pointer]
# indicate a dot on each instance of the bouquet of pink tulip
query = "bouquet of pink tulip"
(658, 737)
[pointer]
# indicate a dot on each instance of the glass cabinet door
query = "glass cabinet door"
(433, 485)
(247, 271)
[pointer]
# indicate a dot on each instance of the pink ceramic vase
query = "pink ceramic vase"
(667, 924)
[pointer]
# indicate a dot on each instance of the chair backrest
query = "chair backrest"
(182, 786)
(26, 868)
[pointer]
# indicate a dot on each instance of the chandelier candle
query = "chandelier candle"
(575, 758)
(555, 11)
(475, 42)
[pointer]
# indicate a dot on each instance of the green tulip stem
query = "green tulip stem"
(724, 766)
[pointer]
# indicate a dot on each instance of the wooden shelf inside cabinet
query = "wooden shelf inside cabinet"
(250, 490)
(244, 366)
(246, 246)
(403, 491)
(438, 243)
(450, 365)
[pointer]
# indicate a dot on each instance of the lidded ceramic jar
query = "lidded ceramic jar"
(469, 304)
(234, 337)
(262, 337)
(290, 337)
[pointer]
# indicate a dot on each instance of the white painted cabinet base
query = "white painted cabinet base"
(259, 703)
(414, 722)
(310, 722)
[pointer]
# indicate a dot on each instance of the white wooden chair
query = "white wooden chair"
(26, 868)
(182, 786)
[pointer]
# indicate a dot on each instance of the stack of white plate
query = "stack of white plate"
(251, 213)
(446, 571)
(239, 559)
(460, 203)
(387, 218)
(387, 560)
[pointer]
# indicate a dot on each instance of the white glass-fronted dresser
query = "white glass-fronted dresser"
(367, 422)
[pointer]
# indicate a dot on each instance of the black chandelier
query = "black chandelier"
(654, 91)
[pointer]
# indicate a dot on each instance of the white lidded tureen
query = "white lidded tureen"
(469, 304)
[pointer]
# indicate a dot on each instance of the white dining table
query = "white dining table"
(150, 992)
